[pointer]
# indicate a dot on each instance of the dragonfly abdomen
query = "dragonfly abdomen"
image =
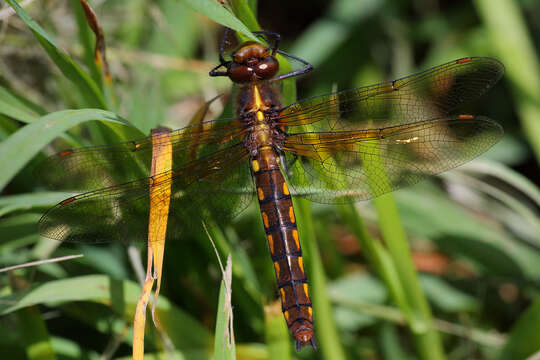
(282, 235)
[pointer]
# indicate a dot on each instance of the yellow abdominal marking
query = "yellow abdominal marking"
(271, 243)
(295, 237)
(265, 219)
(260, 116)
(291, 215)
(301, 264)
(255, 166)
(276, 266)
(306, 290)
(286, 314)
(261, 194)
(282, 293)
(286, 189)
(310, 311)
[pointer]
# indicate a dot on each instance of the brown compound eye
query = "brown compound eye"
(239, 73)
(267, 68)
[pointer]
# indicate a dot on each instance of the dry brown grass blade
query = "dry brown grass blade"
(157, 230)
(100, 56)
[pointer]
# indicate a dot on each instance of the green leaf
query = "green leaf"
(69, 68)
(509, 35)
(185, 332)
(35, 335)
(276, 333)
(435, 217)
(23, 145)
(17, 107)
(326, 332)
(322, 38)
(216, 12)
(245, 13)
(224, 346)
(390, 344)
(524, 338)
(13, 203)
(445, 297)
(353, 288)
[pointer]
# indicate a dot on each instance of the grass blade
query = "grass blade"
(326, 331)
(36, 337)
(17, 107)
(23, 145)
(224, 345)
(276, 333)
(427, 339)
(524, 338)
(69, 68)
(213, 10)
(186, 332)
(508, 31)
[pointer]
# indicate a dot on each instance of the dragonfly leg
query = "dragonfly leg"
(226, 34)
(215, 72)
(307, 67)
(275, 35)
(288, 166)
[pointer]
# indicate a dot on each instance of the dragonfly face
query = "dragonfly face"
(334, 148)
(252, 62)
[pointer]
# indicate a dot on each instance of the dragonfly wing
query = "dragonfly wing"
(121, 212)
(104, 166)
(430, 94)
(347, 166)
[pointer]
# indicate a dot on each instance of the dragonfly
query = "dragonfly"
(335, 148)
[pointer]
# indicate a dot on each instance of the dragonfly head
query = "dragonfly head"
(251, 62)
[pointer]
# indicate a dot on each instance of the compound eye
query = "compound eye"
(267, 68)
(239, 73)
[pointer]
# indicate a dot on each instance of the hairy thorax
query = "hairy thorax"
(259, 106)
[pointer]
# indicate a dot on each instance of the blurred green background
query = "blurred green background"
(474, 232)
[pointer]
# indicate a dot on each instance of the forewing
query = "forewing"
(343, 167)
(217, 184)
(104, 166)
(426, 95)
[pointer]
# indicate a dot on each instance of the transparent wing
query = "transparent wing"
(429, 94)
(103, 166)
(218, 184)
(347, 166)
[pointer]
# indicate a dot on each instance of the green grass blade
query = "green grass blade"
(24, 144)
(69, 68)
(185, 331)
(524, 339)
(213, 10)
(509, 36)
(278, 339)
(245, 13)
(35, 335)
(427, 339)
(27, 201)
(17, 107)
(378, 256)
(326, 335)
(224, 346)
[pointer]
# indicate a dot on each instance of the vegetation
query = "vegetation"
(446, 269)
